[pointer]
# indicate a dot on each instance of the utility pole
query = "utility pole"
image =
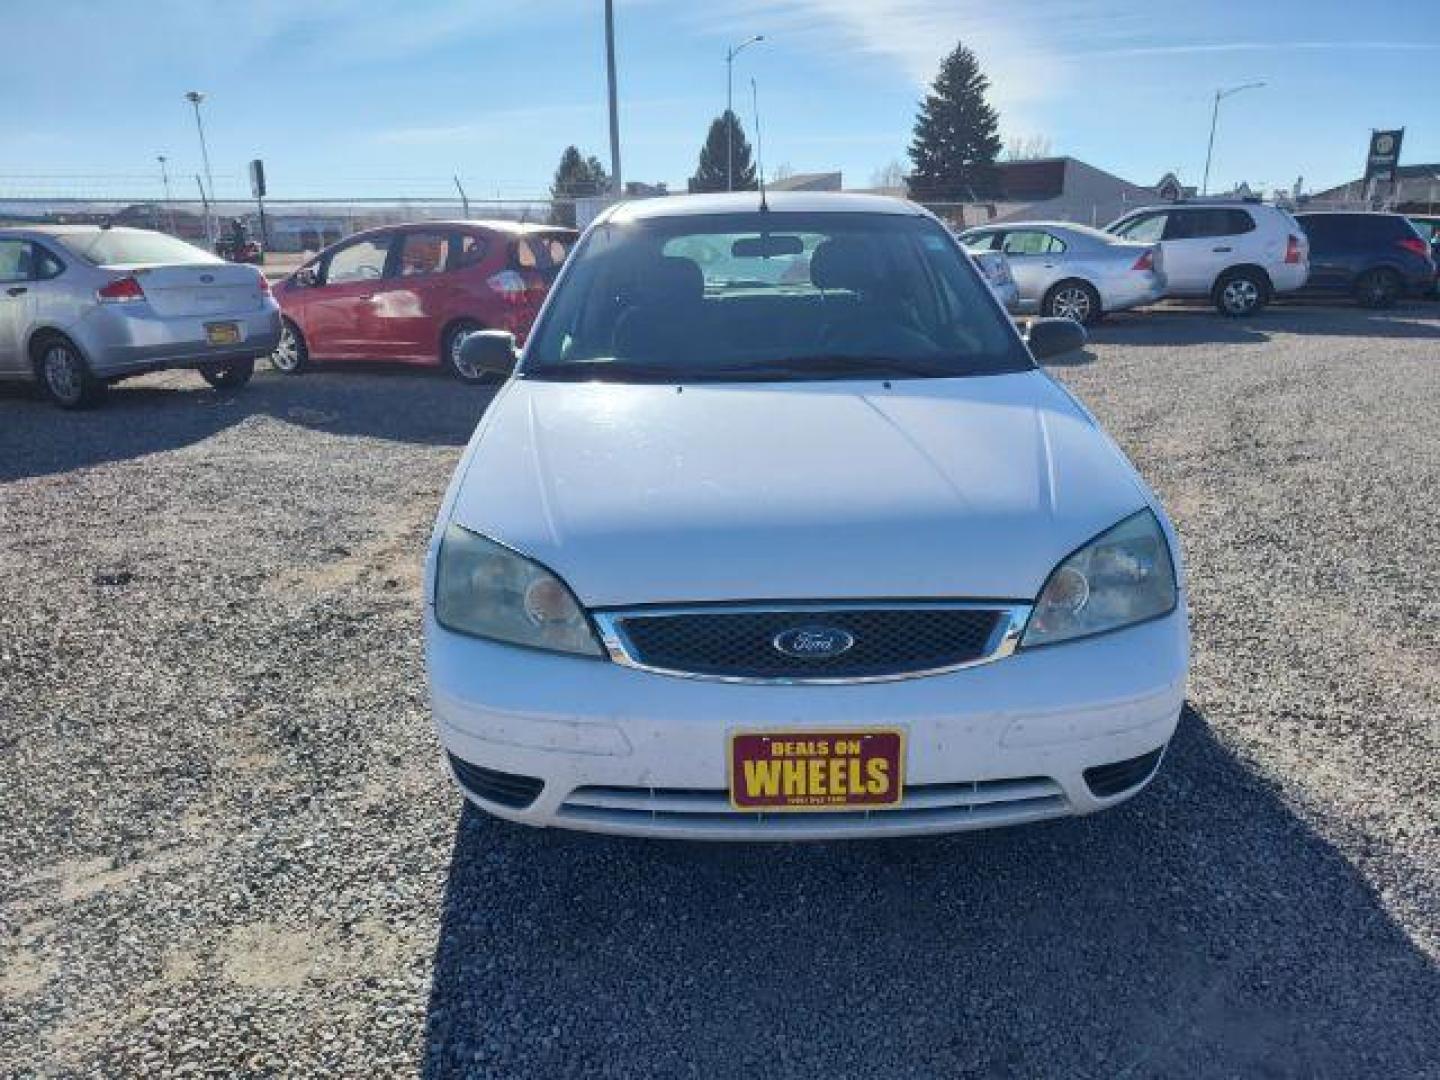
(195, 97)
(1220, 95)
(617, 185)
(729, 108)
(464, 199)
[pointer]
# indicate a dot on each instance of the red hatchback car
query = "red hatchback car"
(411, 293)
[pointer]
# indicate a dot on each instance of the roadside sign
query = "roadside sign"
(1384, 156)
(257, 178)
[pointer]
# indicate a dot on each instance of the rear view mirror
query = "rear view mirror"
(1054, 337)
(489, 352)
(306, 277)
(766, 246)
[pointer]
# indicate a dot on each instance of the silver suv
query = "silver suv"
(1236, 254)
(82, 307)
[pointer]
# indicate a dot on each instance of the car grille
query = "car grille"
(740, 643)
(708, 813)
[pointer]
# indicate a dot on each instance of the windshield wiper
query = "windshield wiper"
(878, 366)
(606, 371)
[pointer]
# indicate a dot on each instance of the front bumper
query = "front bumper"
(120, 340)
(623, 751)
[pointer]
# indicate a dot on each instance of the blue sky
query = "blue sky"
(363, 97)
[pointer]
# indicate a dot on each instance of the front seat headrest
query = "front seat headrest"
(845, 262)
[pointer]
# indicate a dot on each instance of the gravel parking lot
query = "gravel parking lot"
(227, 845)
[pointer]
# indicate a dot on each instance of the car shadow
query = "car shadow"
(1201, 929)
(174, 409)
(1175, 324)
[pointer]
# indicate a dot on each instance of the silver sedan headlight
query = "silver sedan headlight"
(485, 589)
(1123, 576)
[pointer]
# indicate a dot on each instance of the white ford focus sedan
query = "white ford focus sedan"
(777, 531)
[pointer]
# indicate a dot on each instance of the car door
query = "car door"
(1197, 248)
(16, 263)
(416, 297)
(1329, 252)
(1034, 257)
(337, 316)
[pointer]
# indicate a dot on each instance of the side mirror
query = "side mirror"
(1054, 337)
(307, 277)
(490, 352)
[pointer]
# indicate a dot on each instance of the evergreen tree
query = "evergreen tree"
(725, 143)
(576, 178)
(956, 137)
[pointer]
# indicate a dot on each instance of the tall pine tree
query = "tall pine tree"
(718, 148)
(956, 135)
(576, 178)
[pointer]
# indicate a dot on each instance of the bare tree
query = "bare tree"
(783, 171)
(891, 175)
(1027, 147)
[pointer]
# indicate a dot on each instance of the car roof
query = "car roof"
(1348, 213)
(802, 202)
(1208, 204)
(42, 229)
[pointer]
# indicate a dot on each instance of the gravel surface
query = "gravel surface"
(227, 846)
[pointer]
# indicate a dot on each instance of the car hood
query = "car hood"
(637, 494)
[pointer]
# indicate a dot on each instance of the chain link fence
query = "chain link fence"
(290, 226)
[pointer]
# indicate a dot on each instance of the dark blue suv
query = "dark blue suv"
(1375, 258)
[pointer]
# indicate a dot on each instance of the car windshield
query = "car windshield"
(134, 247)
(771, 295)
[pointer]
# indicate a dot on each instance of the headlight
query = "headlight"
(485, 589)
(1121, 577)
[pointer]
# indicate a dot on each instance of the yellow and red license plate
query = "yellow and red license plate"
(816, 770)
(222, 333)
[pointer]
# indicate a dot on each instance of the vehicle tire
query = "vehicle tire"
(450, 352)
(230, 375)
(65, 376)
(1073, 299)
(1239, 293)
(1378, 288)
(292, 355)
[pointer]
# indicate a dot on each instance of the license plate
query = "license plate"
(816, 770)
(222, 333)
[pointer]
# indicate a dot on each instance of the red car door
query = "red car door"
(409, 310)
(336, 318)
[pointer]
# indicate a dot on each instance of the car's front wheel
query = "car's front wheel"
(1075, 300)
(1378, 288)
(66, 377)
(291, 354)
(230, 375)
(450, 352)
(1241, 292)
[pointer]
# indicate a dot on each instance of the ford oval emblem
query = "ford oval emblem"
(813, 642)
(206, 279)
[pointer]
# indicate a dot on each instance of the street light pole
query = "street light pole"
(195, 97)
(729, 108)
(1220, 95)
(165, 181)
(615, 182)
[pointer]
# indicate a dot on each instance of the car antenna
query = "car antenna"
(759, 144)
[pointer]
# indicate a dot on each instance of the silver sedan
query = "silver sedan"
(1072, 271)
(82, 307)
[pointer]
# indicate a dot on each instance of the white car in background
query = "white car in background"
(1236, 254)
(84, 306)
(821, 554)
(1071, 271)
